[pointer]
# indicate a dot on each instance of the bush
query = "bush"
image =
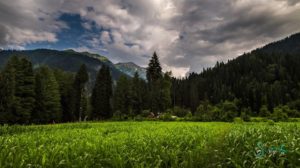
(245, 114)
(264, 111)
(167, 117)
(188, 116)
(294, 113)
(271, 122)
(280, 114)
(169, 111)
(238, 120)
(180, 112)
(229, 111)
(204, 112)
(265, 119)
(295, 108)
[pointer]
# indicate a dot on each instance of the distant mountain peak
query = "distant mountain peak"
(128, 64)
(69, 50)
(97, 56)
(130, 68)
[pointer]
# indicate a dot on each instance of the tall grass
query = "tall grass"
(151, 144)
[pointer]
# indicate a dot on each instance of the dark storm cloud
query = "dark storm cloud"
(220, 30)
(187, 34)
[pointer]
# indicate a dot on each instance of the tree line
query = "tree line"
(257, 84)
(44, 95)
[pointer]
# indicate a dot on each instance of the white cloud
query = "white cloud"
(105, 37)
(20, 36)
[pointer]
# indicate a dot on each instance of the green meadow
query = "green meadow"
(151, 144)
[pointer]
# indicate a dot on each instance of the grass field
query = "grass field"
(151, 144)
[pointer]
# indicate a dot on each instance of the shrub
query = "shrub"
(279, 114)
(204, 112)
(188, 116)
(238, 120)
(167, 117)
(271, 122)
(245, 114)
(264, 111)
(229, 111)
(295, 108)
(169, 111)
(265, 119)
(180, 112)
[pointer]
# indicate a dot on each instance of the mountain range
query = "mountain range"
(70, 60)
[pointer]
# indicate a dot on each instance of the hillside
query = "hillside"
(268, 76)
(68, 60)
(289, 45)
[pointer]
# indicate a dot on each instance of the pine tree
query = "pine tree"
(25, 84)
(47, 107)
(122, 96)
(165, 93)
(101, 95)
(7, 93)
(79, 92)
(154, 71)
(65, 81)
(18, 91)
(193, 96)
(19, 86)
(159, 87)
(264, 112)
(137, 94)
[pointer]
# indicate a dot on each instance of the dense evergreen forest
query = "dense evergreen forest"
(45, 95)
(264, 83)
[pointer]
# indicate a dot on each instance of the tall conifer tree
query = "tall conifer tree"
(79, 92)
(25, 84)
(159, 86)
(65, 81)
(101, 95)
(154, 71)
(137, 97)
(122, 96)
(48, 107)
(7, 94)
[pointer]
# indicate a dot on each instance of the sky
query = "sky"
(188, 35)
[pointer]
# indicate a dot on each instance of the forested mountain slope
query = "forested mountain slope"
(267, 76)
(67, 60)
